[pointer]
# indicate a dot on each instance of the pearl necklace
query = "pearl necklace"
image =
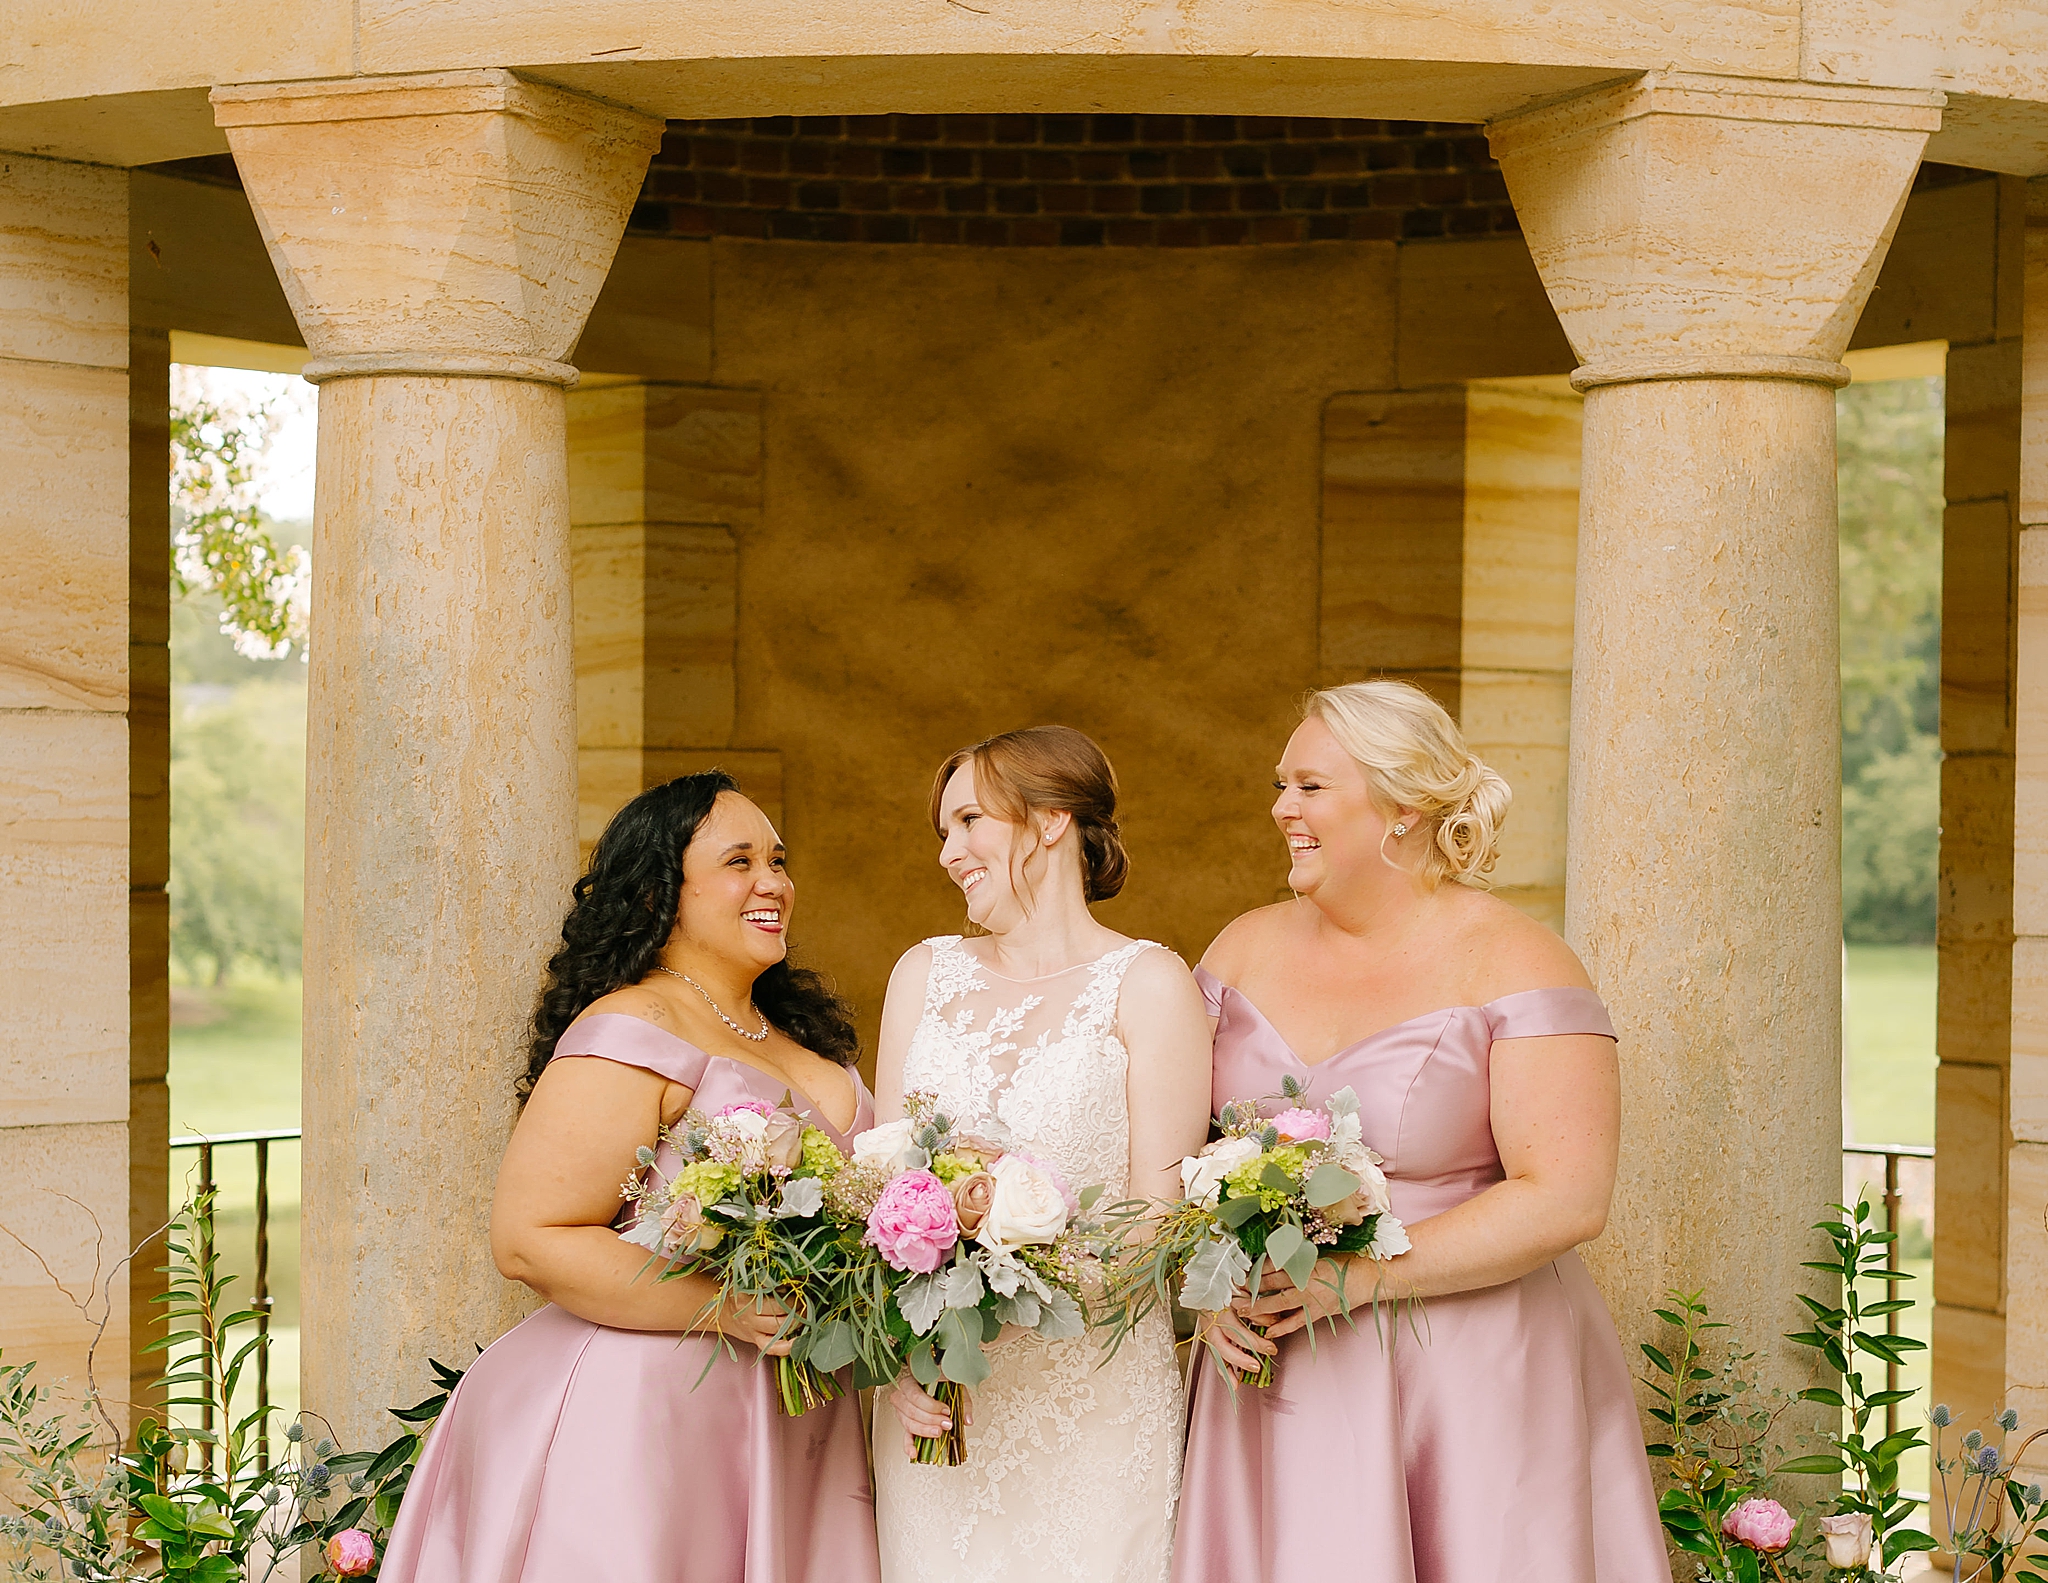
(757, 1038)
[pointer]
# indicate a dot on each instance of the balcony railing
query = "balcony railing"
(260, 1300)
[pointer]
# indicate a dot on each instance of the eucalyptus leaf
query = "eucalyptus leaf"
(1285, 1240)
(1218, 1267)
(920, 1300)
(1330, 1184)
(832, 1346)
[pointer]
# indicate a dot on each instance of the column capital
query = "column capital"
(453, 223)
(1694, 227)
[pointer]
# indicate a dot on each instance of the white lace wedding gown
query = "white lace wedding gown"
(1073, 1466)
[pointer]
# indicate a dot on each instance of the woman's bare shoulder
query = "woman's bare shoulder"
(1245, 939)
(1511, 952)
(635, 1000)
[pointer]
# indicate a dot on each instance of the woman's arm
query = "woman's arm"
(1556, 1110)
(558, 1192)
(902, 1006)
(1166, 1029)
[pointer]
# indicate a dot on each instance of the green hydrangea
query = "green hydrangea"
(708, 1182)
(949, 1168)
(821, 1156)
(1244, 1181)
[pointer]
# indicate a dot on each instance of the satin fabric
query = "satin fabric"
(1490, 1437)
(572, 1451)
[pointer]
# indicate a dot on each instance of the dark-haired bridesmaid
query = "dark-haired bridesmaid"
(583, 1443)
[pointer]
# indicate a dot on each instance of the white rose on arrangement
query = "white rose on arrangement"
(1027, 1206)
(1201, 1175)
(891, 1146)
(750, 1127)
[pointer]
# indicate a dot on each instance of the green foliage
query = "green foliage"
(238, 833)
(1846, 1339)
(1889, 463)
(219, 542)
(1717, 1448)
(190, 1505)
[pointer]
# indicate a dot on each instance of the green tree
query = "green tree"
(1889, 462)
(221, 544)
(238, 791)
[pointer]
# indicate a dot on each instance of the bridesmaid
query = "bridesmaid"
(582, 1444)
(1495, 1436)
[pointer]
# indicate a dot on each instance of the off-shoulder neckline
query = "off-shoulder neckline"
(859, 1088)
(1392, 1027)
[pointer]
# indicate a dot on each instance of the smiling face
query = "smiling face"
(979, 854)
(737, 895)
(1326, 812)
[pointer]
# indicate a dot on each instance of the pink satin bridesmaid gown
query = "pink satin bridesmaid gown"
(1494, 1442)
(572, 1452)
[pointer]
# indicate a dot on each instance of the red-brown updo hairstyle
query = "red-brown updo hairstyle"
(1048, 769)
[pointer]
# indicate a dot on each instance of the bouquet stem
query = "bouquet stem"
(800, 1387)
(948, 1450)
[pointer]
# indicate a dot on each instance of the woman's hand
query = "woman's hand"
(1283, 1308)
(923, 1418)
(754, 1321)
(1233, 1339)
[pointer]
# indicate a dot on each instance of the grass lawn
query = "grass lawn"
(235, 1068)
(1888, 1038)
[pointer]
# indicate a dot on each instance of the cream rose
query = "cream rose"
(972, 1195)
(1201, 1175)
(782, 1144)
(891, 1146)
(1848, 1538)
(1025, 1206)
(684, 1230)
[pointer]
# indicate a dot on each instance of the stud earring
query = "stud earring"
(1400, 830)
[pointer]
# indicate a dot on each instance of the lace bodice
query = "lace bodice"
(1073, 1463)
(1036, 1062)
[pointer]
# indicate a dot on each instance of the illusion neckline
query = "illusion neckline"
(959, 943)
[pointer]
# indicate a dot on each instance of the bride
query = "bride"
(1057, 1036)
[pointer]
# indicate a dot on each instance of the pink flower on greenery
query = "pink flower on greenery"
(759, 1107)
(351, 1553)
(1298, 1126)
(913, 1222)
(1762, 1525)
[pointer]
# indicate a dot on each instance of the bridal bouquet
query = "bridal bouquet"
(1282, 1192)
(747, 1207)
(951, 1237)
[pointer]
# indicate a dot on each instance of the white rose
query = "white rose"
(1027, 1206)
(1201, 1175)
(1373, 1191)
(1848, 1540)
(751, 1129)
(890, 1146)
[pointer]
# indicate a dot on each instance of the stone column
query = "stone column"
(1450, 521)
(440, 240)
(1704, 878)
(64, 788)
(663, 478)
(1974, 929)
(2025, 1240)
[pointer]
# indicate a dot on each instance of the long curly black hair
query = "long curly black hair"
(624, 912)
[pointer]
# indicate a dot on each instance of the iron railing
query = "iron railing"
(260, 1300)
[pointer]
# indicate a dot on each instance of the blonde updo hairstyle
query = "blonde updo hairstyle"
(1047, 769)
(1414, 756)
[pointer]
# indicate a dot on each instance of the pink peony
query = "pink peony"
(351, 1553)
(1298, 1126)
(1762, 1525)
(759, 1107)
(913, 1222)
